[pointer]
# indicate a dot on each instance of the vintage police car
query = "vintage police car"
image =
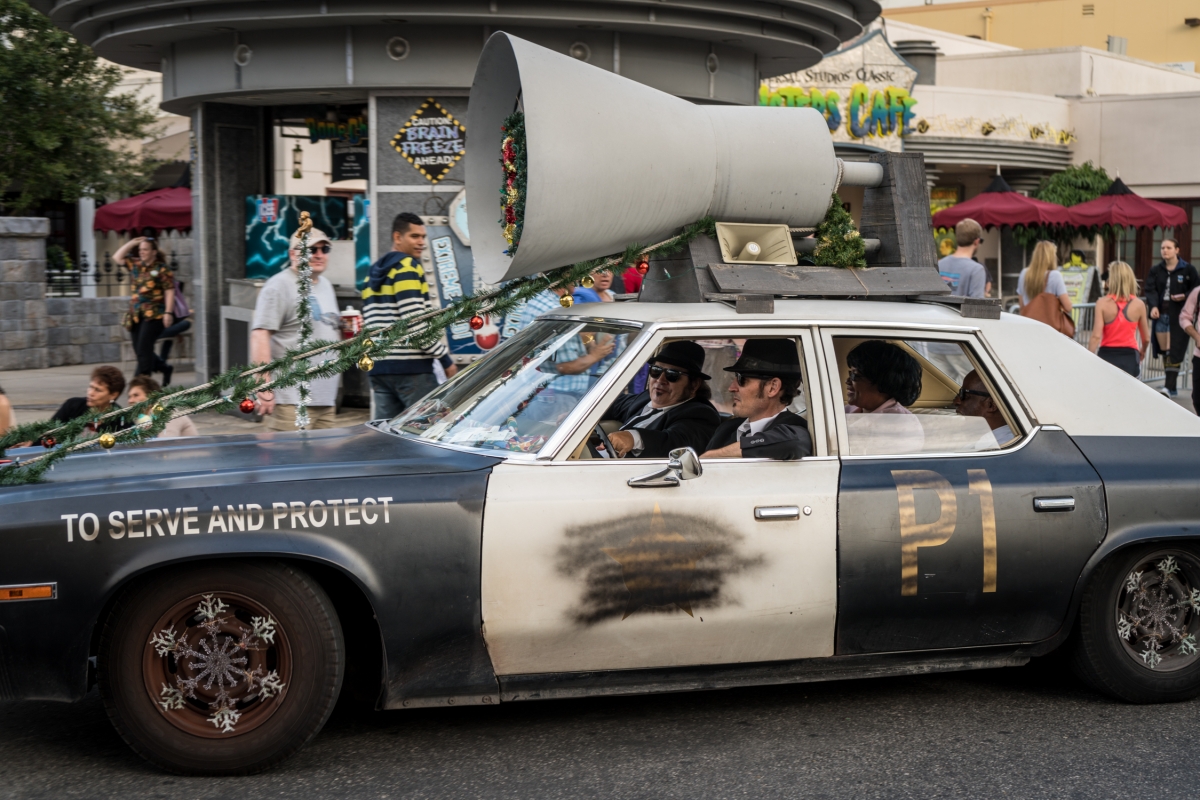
(222, 591)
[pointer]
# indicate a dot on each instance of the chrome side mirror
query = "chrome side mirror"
(683, 466)
(686, 463)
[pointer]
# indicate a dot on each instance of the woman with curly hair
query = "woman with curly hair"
(151, 301)
(882, 379)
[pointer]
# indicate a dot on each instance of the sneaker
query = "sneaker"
(1174, 393)
(1164, 391)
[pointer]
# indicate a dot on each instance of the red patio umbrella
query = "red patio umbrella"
(999, 205)
(162, 208)
(1120, 206)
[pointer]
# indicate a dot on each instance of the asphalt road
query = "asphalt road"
(1031, 732)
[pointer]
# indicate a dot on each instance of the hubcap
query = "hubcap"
(1158, 612)
(217, 665)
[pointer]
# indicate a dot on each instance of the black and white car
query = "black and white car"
(222, 591)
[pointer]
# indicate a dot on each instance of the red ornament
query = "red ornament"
(643, 267)
(247, 406)
(48, 442)
(476, 322)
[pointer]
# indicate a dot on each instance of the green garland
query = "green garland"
(304, 310)
(226, 390)
(514, 160)
(839, 244)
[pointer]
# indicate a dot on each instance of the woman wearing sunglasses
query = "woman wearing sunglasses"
(883, 379)
(674, 411)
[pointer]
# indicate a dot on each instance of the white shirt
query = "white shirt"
(758, 426)
(648, 414)
(997, 438)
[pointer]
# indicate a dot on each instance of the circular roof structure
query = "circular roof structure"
(783, 35)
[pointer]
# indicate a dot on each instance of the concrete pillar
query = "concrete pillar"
(24, 343)
(229, 166)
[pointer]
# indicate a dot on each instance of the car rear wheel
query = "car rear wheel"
(221, 669)
(1138, 626)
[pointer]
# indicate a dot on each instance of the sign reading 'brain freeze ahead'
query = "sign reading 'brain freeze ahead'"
(432, 140)
(862, 91)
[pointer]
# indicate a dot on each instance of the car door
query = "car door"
(583, 571)
(955, 544)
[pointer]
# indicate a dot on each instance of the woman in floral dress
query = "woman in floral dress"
(152, 297)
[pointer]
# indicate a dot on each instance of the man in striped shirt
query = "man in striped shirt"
(397, 289)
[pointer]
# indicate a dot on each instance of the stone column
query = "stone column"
(23, 325)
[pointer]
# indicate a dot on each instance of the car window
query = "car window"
(926, 395)
(517, 397)
(719, 353)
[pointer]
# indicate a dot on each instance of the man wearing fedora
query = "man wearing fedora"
(674, 411)
(766, 378)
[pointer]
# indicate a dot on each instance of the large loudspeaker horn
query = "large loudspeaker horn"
(612, 161)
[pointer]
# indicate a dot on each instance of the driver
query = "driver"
(674, 411)
(766, 378)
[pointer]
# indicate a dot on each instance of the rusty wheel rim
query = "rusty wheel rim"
(217, 665)
(1158, 612)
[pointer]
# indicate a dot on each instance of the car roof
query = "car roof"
(809, 310)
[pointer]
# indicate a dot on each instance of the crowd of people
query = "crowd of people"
(1124, 316)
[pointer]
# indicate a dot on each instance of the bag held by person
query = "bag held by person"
(181, 309)
(1047, 308)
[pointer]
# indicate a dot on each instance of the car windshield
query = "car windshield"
(516, 397)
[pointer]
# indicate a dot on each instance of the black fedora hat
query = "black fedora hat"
(772, 358)
(685, 355)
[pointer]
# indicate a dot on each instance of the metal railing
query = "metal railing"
(64, 279)
(1084, 315)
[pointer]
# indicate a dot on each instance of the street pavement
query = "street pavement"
(1029, 732)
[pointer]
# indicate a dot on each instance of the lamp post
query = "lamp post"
(297, 162)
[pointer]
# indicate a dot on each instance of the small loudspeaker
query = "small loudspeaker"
(747, 243)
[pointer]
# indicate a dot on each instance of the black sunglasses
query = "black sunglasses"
(673, 375)
(964, 391)
(320, 248)
(742, 377)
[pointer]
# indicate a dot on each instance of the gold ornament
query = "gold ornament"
(566, 301)
(588, 282)
(366, 363)
(368, 343)
(157, 410)
(107, 440)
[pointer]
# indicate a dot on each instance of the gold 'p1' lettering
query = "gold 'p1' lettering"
(913, 534)
(980, 485)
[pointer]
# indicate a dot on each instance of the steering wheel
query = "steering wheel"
(608, 445)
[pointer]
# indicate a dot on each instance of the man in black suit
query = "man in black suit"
(674, 411)
(766, 380)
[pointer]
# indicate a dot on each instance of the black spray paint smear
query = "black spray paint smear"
(658, 563)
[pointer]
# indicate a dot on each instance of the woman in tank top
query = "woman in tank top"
(1120, 321)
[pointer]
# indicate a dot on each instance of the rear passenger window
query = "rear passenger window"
(919, 396)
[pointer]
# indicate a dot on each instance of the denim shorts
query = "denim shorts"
(1162, 324)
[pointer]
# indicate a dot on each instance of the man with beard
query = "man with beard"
(674, 411)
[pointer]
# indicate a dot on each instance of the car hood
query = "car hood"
(257, 458)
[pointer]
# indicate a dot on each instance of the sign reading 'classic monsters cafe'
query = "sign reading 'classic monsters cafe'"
(863, 92)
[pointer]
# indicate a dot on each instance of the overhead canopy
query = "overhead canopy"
(162, 208)
(1120, 206)
(999, 205)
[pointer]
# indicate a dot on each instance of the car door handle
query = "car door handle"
(777, 512)
(1054, 504)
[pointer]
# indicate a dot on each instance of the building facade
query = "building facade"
(273, 88)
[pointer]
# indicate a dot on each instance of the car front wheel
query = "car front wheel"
(221, 669)
(1139, 624)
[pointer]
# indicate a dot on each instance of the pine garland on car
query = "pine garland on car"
(304, 310)
(227, 389)
(839, 244)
